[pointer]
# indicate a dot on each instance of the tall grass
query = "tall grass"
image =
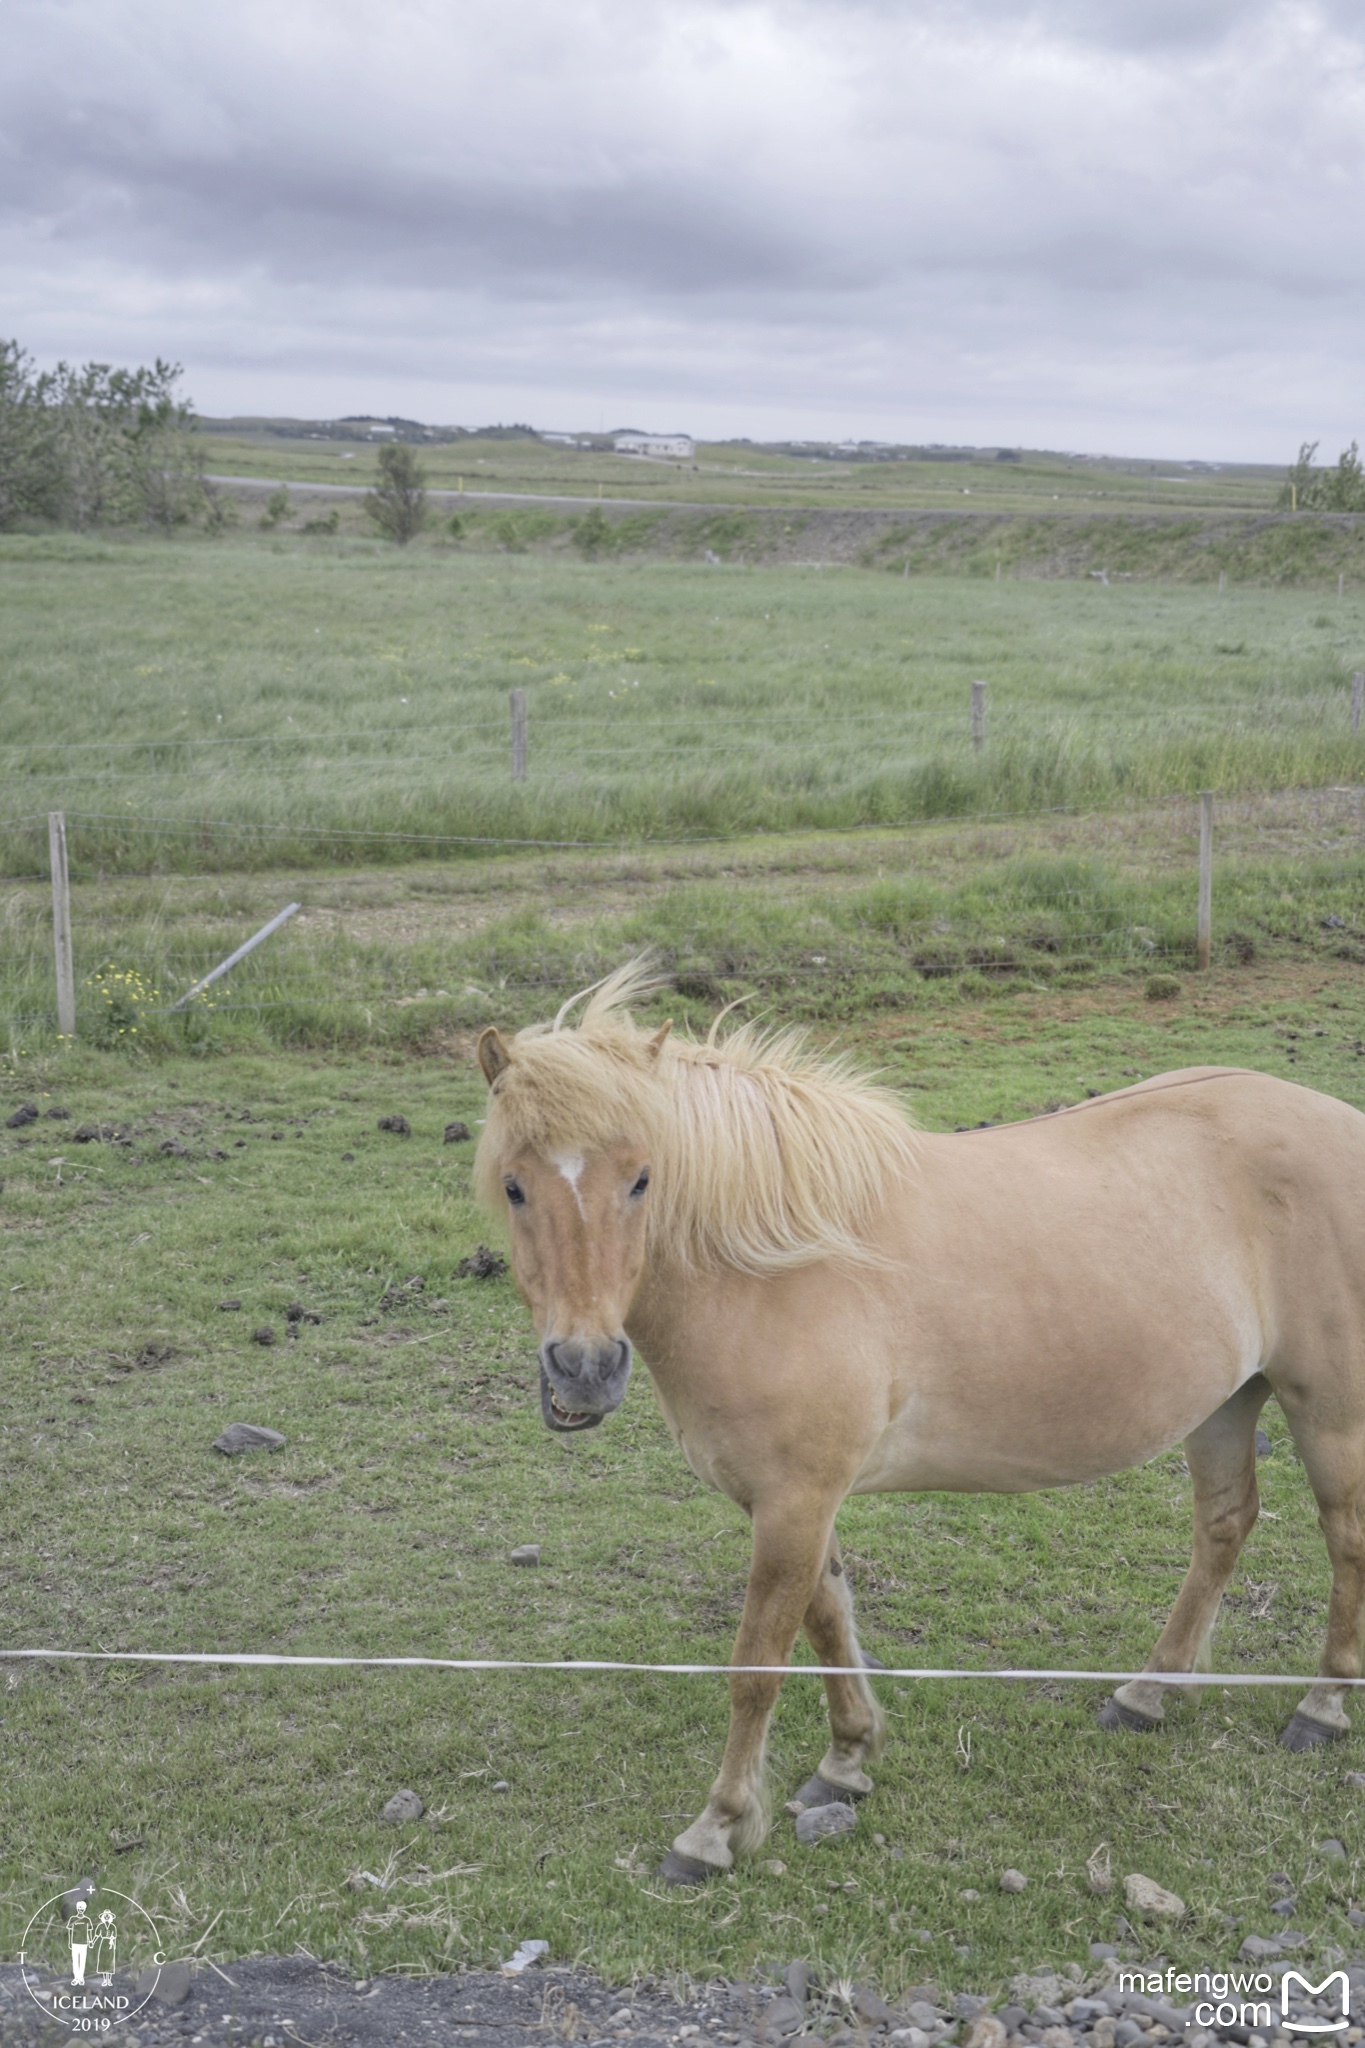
(828, 951)
(198, 707)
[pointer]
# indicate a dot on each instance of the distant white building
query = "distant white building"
(663, 447)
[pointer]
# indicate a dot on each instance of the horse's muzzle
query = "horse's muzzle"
(582, 1382)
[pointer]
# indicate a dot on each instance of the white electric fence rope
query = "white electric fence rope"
(1008, 1674)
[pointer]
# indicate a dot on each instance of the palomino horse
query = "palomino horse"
(830, 1302)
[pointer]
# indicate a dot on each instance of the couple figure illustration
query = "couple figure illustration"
(94, 1944)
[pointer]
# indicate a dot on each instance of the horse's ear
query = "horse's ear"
(494, 1056)
(656, 1043)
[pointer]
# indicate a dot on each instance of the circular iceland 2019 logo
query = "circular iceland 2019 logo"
(91, 1958)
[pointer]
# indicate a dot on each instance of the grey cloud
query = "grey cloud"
(850, 199)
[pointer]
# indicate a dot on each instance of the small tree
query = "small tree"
(398, 502)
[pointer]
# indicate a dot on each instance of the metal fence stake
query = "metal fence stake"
(281, 917)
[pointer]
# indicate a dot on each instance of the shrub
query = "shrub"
(89, 445)
(277, 507)
(592, 533)
(1341, 489)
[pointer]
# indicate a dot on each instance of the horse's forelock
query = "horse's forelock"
(766, 1155)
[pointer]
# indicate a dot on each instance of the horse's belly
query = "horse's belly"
(994, 1437)
(908, 1460)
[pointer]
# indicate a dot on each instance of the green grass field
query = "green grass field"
(198, 707)
(233, 726)
(241, 1806)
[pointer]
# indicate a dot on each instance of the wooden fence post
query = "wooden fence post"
(1205, 878)
(1357, 698)
(518, 700)
(61, 923)
(978, 714)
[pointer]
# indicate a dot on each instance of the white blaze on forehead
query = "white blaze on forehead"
(570, 1165)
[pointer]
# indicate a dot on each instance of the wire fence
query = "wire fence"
(1008, 1674)
(1028, 936)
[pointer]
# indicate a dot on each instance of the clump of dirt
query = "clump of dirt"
(482, 1264)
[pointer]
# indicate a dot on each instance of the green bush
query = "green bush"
(592, 533)
(1325, 490)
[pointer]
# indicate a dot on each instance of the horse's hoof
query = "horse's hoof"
(869, 1662)
(1303, 1732)
(1113, 1714)
(679, 1869)
(818, 1791)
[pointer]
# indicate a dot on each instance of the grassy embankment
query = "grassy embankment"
(1043, 516)
(737, 474)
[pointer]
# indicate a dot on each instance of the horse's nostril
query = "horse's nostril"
(578, 1363)
(565, 1359)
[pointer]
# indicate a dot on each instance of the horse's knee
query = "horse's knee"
(1344, 1536)
(1228, 1530)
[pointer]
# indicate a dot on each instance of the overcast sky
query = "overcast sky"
(1134, 226)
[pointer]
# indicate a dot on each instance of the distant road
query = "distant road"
(271, 483)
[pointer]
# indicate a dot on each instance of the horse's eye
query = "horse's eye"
(642, 1183)
(516, 1194)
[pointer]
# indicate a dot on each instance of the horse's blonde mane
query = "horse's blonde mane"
(765, 1155)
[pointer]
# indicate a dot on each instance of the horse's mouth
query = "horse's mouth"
(557, 1416)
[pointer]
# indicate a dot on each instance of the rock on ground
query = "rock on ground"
(818, 1823)
(1144, 1895)
(298, 1998)
(247, 1436)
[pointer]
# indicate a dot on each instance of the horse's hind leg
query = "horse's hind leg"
(1333, 1452)
(1221, 1455)
(856, 1722)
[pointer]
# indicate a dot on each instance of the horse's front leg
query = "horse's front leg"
(790, 1552)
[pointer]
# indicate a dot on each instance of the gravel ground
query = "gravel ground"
(274, 2002)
